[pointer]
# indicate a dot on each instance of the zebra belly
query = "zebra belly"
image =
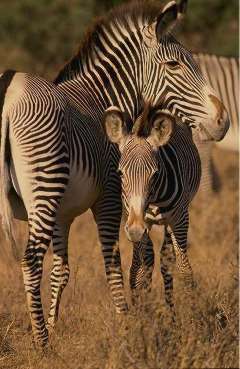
(80, 195)
(16, 202)
(21, 181)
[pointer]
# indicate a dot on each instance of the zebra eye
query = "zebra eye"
(173, 64)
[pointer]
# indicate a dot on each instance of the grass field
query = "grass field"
(89, 335)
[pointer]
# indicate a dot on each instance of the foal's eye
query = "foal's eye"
(173, 64)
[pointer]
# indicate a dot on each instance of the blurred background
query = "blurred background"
(40, 36)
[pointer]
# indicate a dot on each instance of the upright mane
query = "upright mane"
(125, 14)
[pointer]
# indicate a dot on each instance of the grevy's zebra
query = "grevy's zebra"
(60, 164)
(130, 56)
(160, 172)
(118, 64)
(222, 74)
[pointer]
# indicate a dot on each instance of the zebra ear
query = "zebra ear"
(169, 16)
(163, 124)
(113, 124)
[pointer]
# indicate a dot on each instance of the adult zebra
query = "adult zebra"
(55, 164)
(160, 172)
(222, 74)
(129, 56)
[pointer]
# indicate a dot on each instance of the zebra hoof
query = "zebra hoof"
(122, 310)
(50, 328)
(41, 345)
(221, 319)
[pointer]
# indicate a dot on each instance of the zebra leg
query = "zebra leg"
(107, 213)
(142, 266)
(178, 233)
(32, 267)
(60, 271)
(167, 260)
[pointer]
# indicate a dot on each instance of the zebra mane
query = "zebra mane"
(125, 14)
(142, 125)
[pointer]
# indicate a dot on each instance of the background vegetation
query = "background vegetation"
(39, 36)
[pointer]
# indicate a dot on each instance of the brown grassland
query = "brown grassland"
(89, 335)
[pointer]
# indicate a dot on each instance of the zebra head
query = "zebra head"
(173, 79)
(138, 162)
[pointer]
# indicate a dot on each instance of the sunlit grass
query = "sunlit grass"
(89, 335)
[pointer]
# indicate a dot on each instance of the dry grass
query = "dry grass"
(89, 335)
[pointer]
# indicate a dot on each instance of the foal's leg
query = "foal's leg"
(60, 271)
(178, 232)
(142, 266)
(167, 261)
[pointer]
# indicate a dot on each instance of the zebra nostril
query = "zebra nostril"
(220, 121)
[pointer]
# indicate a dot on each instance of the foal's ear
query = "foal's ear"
(162, 128)
(113, 124)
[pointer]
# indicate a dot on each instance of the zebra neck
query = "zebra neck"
(168, 184)
(93, 94)
(111, 74)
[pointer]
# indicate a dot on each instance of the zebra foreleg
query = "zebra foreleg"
(107, 214)
(32, 267)
(167, 261)
(142, 267)
(178, 232)
(60, 271)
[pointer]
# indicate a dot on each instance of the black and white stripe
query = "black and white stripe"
(130, 56)
(59, 165)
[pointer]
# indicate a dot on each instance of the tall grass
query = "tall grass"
(89, 335)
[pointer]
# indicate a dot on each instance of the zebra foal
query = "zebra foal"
(160, 172)
(55, 164)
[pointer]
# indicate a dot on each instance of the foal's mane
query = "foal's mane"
(147, 10)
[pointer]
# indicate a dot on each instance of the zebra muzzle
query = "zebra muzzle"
(134, 232)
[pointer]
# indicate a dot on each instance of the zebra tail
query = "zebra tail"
(5, 179)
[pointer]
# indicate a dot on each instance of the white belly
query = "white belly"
(80, 195)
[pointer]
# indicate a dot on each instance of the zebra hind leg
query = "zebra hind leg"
(167, 261)
(32, 267)
(60, 271)
(141, 269)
